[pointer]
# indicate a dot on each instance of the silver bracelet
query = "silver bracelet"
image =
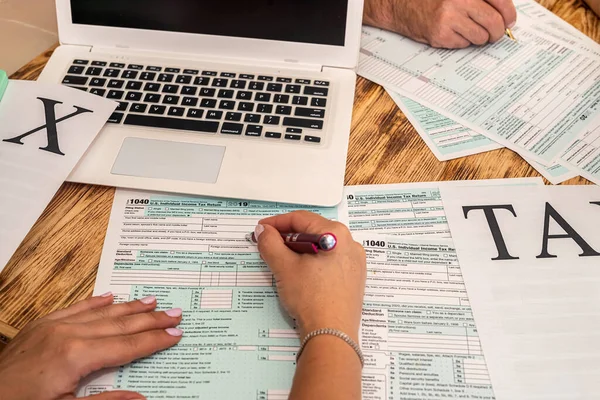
(336, 333)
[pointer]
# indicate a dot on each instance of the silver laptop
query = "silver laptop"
(247, 99)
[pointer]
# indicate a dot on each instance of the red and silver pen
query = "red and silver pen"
(305, 243)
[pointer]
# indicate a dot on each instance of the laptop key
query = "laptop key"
(284, 80)
(98, 82)
(154, 68)
(283, 110)
(128, 74)
(274, 87)
(289, 136)
(244, 106)
(310, 112)
(99, 63)
(226, 93)
(112, 73)
(266, 97)
(170, 88)
(321, 83)
(228, 74)
(133, 85)
(166, 78)
(191, 71)
(281, 99)
(170, 99)
(265, 78)
(152, 98)
(303, 123)
(300, 100)
(122, 106)
(207, 92)
(184, 79)
(93, 71)
(208, 103)
(176, 111)
(201, 81)
(246, 76)
(227, 105)
(220, 82)
(293, 88)
(254, 118)
(256, 85)
(98, 92)
(209, 73)
(303, 81)
(293, 130)
(271, 120)
(316, 91)
(312, 139)
(81, 62)
(157, 110)
(116, 118)
(135, 66)
(233, 116)
(76, 69)
(273, 135)
(133, 96)
(172, 123)
(148, 76)
(238, 84)
(241, 95)
(254, 130)
(74, 80)
(152, 87)
(138, 107)
(115, 94)
(173, 70)
(195, 113)
(189, 90)
(214, 114)
(83, 89)
(318, 102)
(264, 108)
(117, 65)
(189, 102)
(232, 129)
(115, 84)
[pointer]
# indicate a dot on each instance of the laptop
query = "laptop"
(247, 99)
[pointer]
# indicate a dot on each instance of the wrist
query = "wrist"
(349, 328)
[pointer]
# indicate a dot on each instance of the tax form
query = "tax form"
(535, 96)
(448, 139)
(408, 209)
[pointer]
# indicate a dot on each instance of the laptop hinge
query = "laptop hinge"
(281, 64)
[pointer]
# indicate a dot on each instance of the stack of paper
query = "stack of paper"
(538, 96)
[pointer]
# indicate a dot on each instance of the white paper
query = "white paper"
(538, 316)
(32, 172)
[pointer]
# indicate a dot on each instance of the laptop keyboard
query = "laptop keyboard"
(213, 102)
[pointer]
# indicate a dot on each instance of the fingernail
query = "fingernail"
(174, 331)
(148, 299)
(512, 25)
(175, 312)
(258, 231)
(107, 294)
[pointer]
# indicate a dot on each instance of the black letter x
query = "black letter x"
(50, 126)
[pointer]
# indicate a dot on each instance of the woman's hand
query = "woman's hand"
(50, 356)
(319, 291)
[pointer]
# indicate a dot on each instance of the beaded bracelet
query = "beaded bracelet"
(336, 333)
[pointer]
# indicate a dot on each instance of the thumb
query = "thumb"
(272, 249)
(115, 395)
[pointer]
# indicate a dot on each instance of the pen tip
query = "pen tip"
(249, 237)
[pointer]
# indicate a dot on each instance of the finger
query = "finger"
(115, 351)
(471, 32)
(130, 324)
(116, 310)
(489, 19)
(273, 251)
(116, 395)
(298, 221)
(507, 9)
(85, 305)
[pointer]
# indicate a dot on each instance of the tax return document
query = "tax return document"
(448, 139)
(536, 96)
(531, 264)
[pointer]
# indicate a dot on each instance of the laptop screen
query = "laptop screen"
(302, 21)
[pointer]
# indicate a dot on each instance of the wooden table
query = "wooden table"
(57, 262)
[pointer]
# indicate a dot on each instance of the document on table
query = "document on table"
(408, 209)
(535, 96)
(530, 258)
(448, 139)
(45, 130)
(418, 333)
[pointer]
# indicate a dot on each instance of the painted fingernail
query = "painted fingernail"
(107, 294)
(258, 231)
(174, 331)
(175, 312)
(148, 299)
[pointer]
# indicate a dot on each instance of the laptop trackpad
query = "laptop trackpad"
(163, 159)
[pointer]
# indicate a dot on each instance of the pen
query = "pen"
(510, 35)
(305, 243)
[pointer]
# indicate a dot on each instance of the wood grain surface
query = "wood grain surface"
(57, 262)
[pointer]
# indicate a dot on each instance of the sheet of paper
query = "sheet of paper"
(448, 139)
(45, 130)
(407, 209)
(530, 258)
(418, 333)
(535, 96)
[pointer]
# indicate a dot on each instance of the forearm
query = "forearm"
(379, 13)
(328, 369)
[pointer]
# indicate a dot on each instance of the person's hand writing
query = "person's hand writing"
(443, 23)
(319, 291)
(50, 356)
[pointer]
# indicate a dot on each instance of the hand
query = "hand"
(319, 291)
(444, 23)
(50, 356)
